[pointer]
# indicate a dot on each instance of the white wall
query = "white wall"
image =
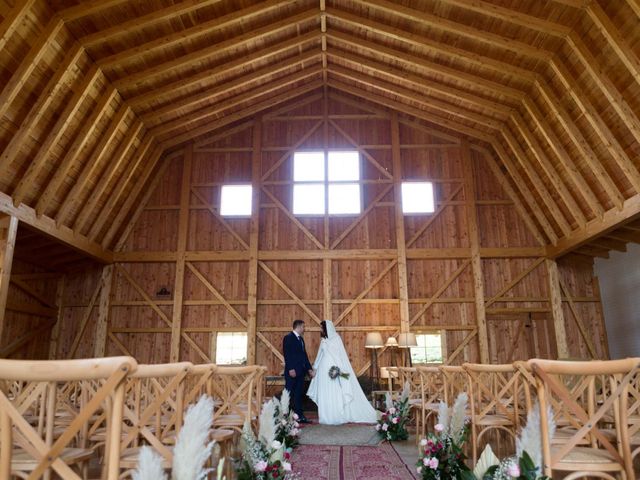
(619, 278)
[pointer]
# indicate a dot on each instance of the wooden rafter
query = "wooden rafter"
(8, 234)
(11, 22)
(514, 281)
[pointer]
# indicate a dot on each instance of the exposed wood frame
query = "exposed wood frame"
(460, 348)
(55, 331)
(104, 310)
(8, 234)
(24, 339)
(583, 331)
(496, 297)
(9, 24)
(555, 299)
(254, 230)
(82, 327)
(32, 292)
(86, 8)
(220, 218)
(433, 217)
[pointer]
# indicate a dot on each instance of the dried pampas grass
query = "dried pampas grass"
(459, 416)
(193, 448)
(149, 466)
(530, 439)
(267, 433)
(285, 401)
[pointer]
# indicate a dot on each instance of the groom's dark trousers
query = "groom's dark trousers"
(295, 358)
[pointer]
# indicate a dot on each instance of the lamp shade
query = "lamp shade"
(373, 340)
(391, 342)
(407, 340)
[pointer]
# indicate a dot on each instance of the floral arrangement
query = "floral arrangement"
(288, 428)
(264, 457)
(441, 453)
(392, 425)
(335, 372)
(526, 464)
(191, 452)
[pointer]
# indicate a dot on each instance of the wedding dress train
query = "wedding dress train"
(339, 400)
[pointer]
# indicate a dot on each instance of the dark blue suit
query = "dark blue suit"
(295, 358)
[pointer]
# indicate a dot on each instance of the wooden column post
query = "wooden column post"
(254, 236)
(102, 326)
(55, 331)
(326, 262)
(8, 232)
(183, 230)
(555, 299)
(474, 242)
(401, 245)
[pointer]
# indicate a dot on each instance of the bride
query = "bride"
(339, 400)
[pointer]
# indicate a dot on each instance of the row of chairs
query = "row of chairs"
(59, 418)
(595, 404)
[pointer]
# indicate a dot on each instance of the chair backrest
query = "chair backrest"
(88, 388)
(410, 375)
(155, 405)
(432, 383)
(238, 391)
(455, 382)
(582, 395)
(198, 382)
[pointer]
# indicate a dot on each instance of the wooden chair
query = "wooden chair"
(583, 403)
(494, 400)
(153, 412)
(432, 393)
(31, 450)
(455, 382)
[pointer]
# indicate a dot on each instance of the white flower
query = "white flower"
(378, 427)
(419, 469)
(513, 470)
(286, 466)
(423, 442)
(425, 461)
(261, 466)
(385, 427)
(433, 463)
(296, 424)
(295, 432)
(276, 445)
(283, 422)
(392, 410)
(295, 416)
(438, 427)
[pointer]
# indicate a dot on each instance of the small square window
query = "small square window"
(344, 166)
(417, 197)
(429, 349)
(231, 348)
(235, 201)
(308, 199)
(308, 167)
(344, 199)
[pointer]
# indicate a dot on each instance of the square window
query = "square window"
(235, 200)
(344, 166)
(344, 199)
(308, 199)
(308, 167)
(231, 348)
(429, 349)
(417, 197)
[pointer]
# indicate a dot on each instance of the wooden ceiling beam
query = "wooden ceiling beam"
(100, 185)
(513, 16)
(241, 62)
(28, 64)
(394, 9)
(86, 8)
(441, 49)
(635, 6)
(143, 151)
(73, 197)
(242, 114)
(200, 28)
(48, 226)
(425, 83)
(583, 147)
(623, 236)
(206, 111)
(192, 58)
(593, 251)
(609, 244)
(611, 220)
(38, 109)
(73, 152)
(55, 134)
(13, 20)
(246, 79)
(431, 102)
(144, 21)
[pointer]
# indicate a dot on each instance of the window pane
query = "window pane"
(417, 197)
(344, 199)
(308, 167)
(231, 348)
(429, 349)
(235, 200)
(344, 166)
(308, 199)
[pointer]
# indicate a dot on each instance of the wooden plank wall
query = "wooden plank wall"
(343, 268)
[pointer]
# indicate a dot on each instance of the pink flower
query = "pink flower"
(296, 424)
(295, 416)
(385, 427)
(513, 470)
(438, 427)
(425, 461)
(395, 420)
(286, 466)
(433, 463)
(261, 466)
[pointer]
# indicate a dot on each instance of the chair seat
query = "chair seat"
(129, 458)
(586, 458)
(220, 435)
(562, 435)
(22, 461)
(229, 420)
(493, 420)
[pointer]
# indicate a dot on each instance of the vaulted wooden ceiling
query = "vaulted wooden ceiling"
(93, 93)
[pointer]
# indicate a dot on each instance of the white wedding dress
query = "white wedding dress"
(339, 400)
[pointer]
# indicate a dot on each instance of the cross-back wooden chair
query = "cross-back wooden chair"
(455, 382)
(633, 417)
(410, 376)
(584, 403)
(30, 450)
(153, 412)
(238, 392)
(495, 396)
(432, 393)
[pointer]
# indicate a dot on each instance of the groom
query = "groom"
(296, 364)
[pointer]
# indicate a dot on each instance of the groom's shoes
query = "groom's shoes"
(304, 420)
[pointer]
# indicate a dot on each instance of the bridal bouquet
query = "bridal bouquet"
(441, 455)
(335, 372)
(288, 428)
(527, 462)
(392, 425)
(264, 457)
